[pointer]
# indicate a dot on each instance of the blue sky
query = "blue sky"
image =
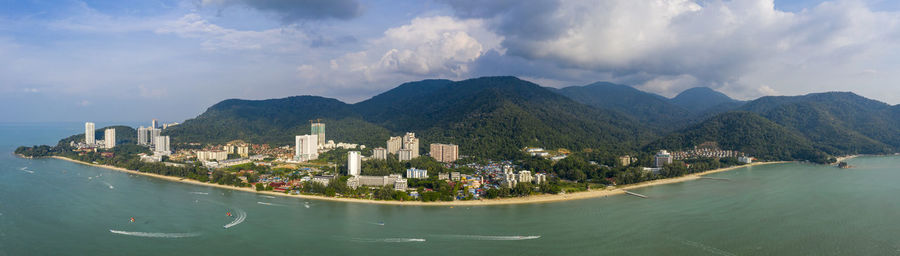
(137, 60)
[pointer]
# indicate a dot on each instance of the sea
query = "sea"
(54, 207)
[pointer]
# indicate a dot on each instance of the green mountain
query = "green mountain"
(839, 123)
(490, 116)
(704, 99)
(275, 121)
(746, 132)
(645, 107)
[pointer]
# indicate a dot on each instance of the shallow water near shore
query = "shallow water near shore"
(55, 207)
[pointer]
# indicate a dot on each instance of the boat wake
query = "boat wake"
(492, 238)
(25, 169)
(154, 235)
(270, 204)
(110, 185)
(388, 240)
(199, 193)
(272, 197)
(241, 216)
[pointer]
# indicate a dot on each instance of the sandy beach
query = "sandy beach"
(545, 198)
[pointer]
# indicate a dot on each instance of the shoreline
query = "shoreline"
(845, 158)
(543, 198)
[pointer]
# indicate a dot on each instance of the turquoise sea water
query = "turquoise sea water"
(54, 207)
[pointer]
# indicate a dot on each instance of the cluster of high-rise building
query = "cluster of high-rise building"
(152, 137)
(445, 153)
(306, 147)
(405, 147)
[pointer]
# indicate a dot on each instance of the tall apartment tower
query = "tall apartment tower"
(318, 129)
(306, 147)
(153, 134)
(379, 153)
(411, 143)
(154, 124)
(353, 163)
(445, 153)
(109, 138)
(143, 136)
(161, 145)
(404, 155)
(89, 133)
(394, 145)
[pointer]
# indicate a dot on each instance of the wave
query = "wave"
(199, 193)
(272, 197)
(271, 204)
(154, 235)
(492, 238)
(25, 169)
(241, 216)
(389, 240)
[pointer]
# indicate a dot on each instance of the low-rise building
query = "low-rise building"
(413, 173)
(212, 155)
(540, 178)
(454, 176)
(524, 176)
(400, 184)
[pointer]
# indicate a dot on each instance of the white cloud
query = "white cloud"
(427, 47)
(216, 37)
(719, 43)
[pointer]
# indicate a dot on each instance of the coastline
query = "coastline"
(544, 198)
(845, 158)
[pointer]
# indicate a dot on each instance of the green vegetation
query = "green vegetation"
(491, 117)
(745, 132)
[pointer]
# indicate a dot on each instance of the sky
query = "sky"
(72, 60)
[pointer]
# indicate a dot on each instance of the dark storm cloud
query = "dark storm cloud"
(292, 11)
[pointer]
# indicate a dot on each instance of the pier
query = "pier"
(635, 194)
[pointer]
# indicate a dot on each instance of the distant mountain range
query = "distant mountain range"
(497, 116)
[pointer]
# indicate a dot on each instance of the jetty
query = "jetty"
(635, 194)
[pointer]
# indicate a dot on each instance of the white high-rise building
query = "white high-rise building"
(89, 133)
(379, 153)
(109, 138)
(404, 155)
(306, 147)
(154, 124)
(353, 163)
(394, 145)
(143, 136)
(153, 134)
(161, 145)
(411, 143)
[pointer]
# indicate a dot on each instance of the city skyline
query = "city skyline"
(352, 50)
